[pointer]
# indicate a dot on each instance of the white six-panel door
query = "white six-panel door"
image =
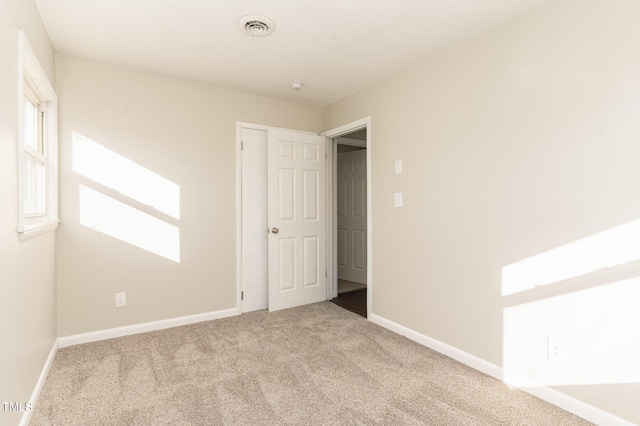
(352, 215)
(296, 219)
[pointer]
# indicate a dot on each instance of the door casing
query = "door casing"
(332, 228)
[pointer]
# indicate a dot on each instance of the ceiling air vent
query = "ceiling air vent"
(256, 25)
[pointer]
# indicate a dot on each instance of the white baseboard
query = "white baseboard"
(26, 417)
(564, 401)
(127, 330)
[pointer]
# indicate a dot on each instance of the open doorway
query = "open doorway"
(350, 221)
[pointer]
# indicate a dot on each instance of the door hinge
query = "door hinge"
(241, 145)
(242, 295)
(325, 274)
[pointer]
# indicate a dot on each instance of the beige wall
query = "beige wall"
(517, 142)
(184, 132)
(514, 143)
(27, 269)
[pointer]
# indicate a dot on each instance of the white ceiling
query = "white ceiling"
(333, 47)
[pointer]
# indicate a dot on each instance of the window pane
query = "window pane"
(28, 175)
(30, 124)
(34, 190)
(40, 188)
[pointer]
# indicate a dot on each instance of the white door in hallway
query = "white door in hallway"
(296, 219)
(352, 216)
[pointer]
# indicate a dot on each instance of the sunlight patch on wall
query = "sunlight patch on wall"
(595, 331)
(605, 249)
(128, 224)
(114, 171)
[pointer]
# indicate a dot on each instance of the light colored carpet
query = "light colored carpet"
(316, 364)
(345, 286)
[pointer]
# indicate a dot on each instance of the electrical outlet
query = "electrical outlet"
(554, 348)
(121, 299)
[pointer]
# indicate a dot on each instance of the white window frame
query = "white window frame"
(33, 82)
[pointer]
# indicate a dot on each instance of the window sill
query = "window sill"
(27, 232)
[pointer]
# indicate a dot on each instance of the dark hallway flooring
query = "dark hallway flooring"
(354, 301)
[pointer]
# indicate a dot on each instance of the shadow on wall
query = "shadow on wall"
(146, 212)
(582, 337)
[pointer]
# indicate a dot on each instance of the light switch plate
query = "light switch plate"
(397, 199)
(398, 167)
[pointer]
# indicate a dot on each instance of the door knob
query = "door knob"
(275, 230)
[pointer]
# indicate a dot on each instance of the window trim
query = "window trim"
(33, 81)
